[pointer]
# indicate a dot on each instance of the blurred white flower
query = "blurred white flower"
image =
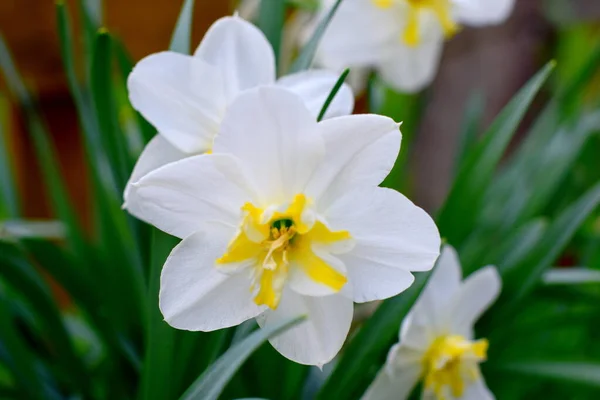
(285, 218)
(436, 338)
(401, 39)
(185, 97)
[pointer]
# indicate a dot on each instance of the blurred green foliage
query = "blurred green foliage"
(521, 211)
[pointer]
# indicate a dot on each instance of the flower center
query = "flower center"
(412, 31)
(274, 242)
(452, 363)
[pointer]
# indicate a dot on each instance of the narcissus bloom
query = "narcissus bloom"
(185, 97)
(284, 218)
(401, 39)
(436, 339)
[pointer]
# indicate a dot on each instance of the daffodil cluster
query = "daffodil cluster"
(279, 215)
(401, 39)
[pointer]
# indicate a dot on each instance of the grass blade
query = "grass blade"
(21, 275)
(336, 88)
(305, 59)
(470, 128)
(9, 197)
(457, 216)
(584, 373)
(46, 155)
(212, 382)
(103, 100)
(571, 276)
(182, 35)
(160, 341)
(557, 237)
(271, 17)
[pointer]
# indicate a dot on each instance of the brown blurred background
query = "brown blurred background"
(496, 60)
(29, 28)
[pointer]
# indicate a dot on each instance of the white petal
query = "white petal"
(157, 153)
(431, 308)
(483, 12)
(417, 333)
(318, 339)
(398, 377)
(241, 52)
(411, 69)
(274, 135)
(478, 391)
(392, 235)
(476, 295)
(429, 315)
(359, 34)
(361, 150)
(179, 198)
(314, 86)
(181, 96)
(195, 295)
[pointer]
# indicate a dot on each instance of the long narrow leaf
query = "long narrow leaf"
(457, 216)
(21, 275)
(571, 276)
(182, 35)
(9, 198)
(584, 373)
(271, 17)
(336, 88)
(46, 155)
(305, 59)
(160, 341)
(211, 383)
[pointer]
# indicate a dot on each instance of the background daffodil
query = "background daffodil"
(436, 344)
(401, 39)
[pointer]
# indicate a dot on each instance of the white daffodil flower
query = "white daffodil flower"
(185, 97)
(436, 338)
(284, 218)
(401, 39)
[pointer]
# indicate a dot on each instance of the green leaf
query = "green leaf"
(18, 357)
(470, 128)
(534, 179)
(457, 216)
(46, 155)
(182, 35)
(160, 340)
(212, 382)
(584, 373)
(365, 354)
(522, 278)
(9, 196)
(336, 88)
(21, 275)
(557, 237)
(18, 229)
(571, 276)
(305, 59)
(271, 17)
(103, 99)
(83, 289)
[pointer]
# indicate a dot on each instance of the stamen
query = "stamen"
(441, 9)
(412, 34)
(383, 3)
(451, 363)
